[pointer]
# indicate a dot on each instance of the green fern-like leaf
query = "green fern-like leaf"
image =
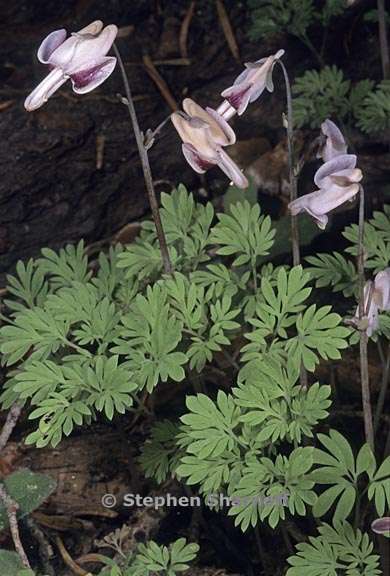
(335, 549)
(333, 270)
(274, 16)
(374, 114)
(320, 95)
(243, 233)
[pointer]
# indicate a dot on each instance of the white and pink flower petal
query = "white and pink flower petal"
(88, 50)
(92, 28)
(382, 289)
(229, 136)
(50, 44)
(381, 525)
(45, 89)
(231, 170)
(197, 161)
(335, 166)
(238, 96)
(335, 144)
(87, 79)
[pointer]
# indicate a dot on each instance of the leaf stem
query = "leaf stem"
(254, 274)
(308, 43)
(364, 376)
(145, 167)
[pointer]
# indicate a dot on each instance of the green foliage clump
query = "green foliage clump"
(338, 548)
(373, 115)
(79, 343)
(224, 445)
(152, 558)
(327, 93)
(292, 16)
(274, 16)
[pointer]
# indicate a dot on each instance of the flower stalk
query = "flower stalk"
(364, 375)
(291, 168)
(143, 153)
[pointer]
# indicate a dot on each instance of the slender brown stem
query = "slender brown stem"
(10, 423)
(383, 41)
(364, 376)
(145, 168)
(11, 509)
(291, 167)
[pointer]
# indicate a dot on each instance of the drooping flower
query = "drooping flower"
(334, 144)
(337, 181)
(382, 289)
(248, 86)
(81, 57)
(204, 133)
(376, 298)
(381, 526)
(371, 311)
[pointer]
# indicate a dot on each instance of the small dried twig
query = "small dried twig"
(384, 385)
(125, 31)
(228, 30)
(383, 40)
(69, 560)
(185, 26)
(172, 62)
(5, 105)
(160, 83)
(10, 423)
(364, 376)
(163, 62)
(100, 144)
(11, 508)
(92, 558)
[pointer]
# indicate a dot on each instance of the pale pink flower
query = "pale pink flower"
(81, 57)
(249, 86)
(382, 289)
(335, 144)
(371, 311)
(381, 525)
(376, 298)
(204, 133)
(337, 181)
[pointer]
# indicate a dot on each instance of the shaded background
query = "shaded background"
(51, 190)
